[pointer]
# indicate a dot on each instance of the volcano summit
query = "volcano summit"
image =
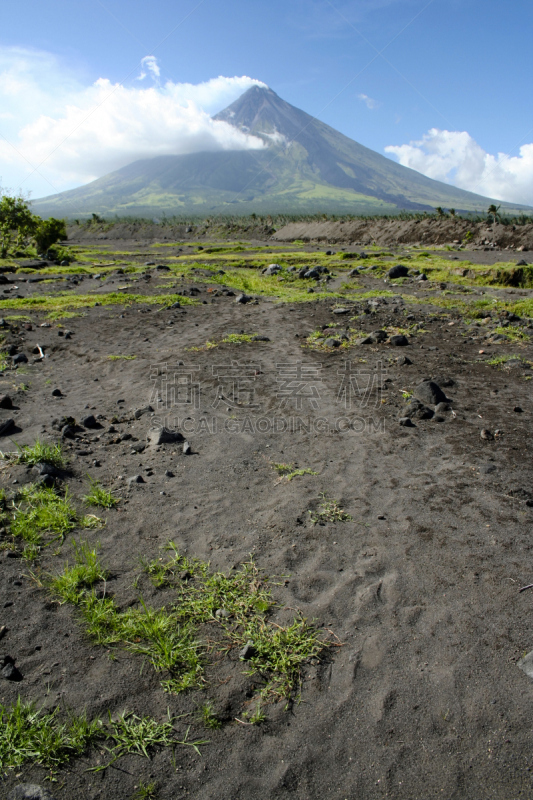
(305, 166)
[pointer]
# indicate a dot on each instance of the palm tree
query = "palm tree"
(493, 214)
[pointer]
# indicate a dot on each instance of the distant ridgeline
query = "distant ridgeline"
(306, 166)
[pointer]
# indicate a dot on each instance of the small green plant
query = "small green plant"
(145, 791)
(290, 471)
(39, 516)
(329, 511)
(50, 739)
(142, 736)
(71, 584)
(39, 453)
(122, 358)
(230, 338)
(406, 394)
(57, 315)
(499, 361)
(208, 716)
(257, 716)
(98, 496)
(39, 510)
(238, 338)
(512, 333)
(31, 735)
(5, 363)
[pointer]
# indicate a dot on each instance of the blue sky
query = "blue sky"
(445, 85)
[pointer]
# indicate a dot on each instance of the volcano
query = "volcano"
(305, 166)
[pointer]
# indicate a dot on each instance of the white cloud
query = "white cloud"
(368, 101)
(149, 66)
(74, 133)
(456, 158)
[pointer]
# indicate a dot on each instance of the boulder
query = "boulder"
(406, 422)
(416, 410)
(6, 426)
(272, 269)
(164, 436)
(398, 271)
(399, 340)
(430, 393)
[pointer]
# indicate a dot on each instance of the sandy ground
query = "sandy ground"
(424, 697)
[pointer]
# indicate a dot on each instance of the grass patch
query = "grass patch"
(172, 639)
(42, 737)
(145, 791)
(316, 340)
(57, 315)
(513, 334)
(5, 361)
(207, 715)
(68, 302)
(49, 739)
(230, 338)
(286, 287)
(238, 338)
(121, 358)
(329, 511)
(98, 496)
(143, 735)
(39, 453)
(73, 581)
(290, 471)
(499, 361)
(39, 516)
(38, 511)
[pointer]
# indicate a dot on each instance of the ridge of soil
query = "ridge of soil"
(387, 232)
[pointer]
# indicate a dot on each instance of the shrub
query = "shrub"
(48, 232)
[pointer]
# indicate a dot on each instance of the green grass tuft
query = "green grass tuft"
(329, 511)
(29, 735)
(208, 716)
(145, 791)
(39, 453)
(72, 583)
(290, 471)
(98, 496)
(499, 361)
(40, 515)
